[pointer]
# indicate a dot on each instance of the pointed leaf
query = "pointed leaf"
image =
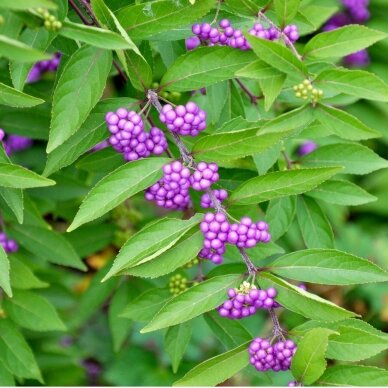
(175, 342)
(195, 301)
(328, 266)
(205, 66)
(19, 177)
(5, 283)
(286, 10)
(12, 97)
(280, 214)
(18, 51)
(78, 90)
(309, 363)
(280, 184)
(217, 369)
(118, 186)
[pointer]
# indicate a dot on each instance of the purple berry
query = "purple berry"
(307, 147)
(204, 176)
(192, 43)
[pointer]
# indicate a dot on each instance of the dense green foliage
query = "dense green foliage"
(86, 299)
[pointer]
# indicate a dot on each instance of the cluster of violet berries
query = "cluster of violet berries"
(14, 143)
(42, 67)
(10, 246)
(246, 300)
(206, 201)
(172, 191)
(218, 232)
(129, 137)
(185, 120)
(355, 12)
(278, 357)
(226, 35)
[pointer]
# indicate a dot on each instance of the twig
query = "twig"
(217, 12)
(251, 96)
(189, 160)
(277, 330)
(79, 13)
(287, 159)
(282, 34)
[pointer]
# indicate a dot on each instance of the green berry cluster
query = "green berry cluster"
(245, 287)
(306, 90)
(50, 21)
(170, 96)
(177, 284)
(191, 263)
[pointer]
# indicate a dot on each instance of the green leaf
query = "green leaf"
(103, 161)
(79, 88)
(15, 352)
(180, 254)
(19, 177)
(150, 242)
(302, 302)
(14, 200)
(37, 38)
(205, 66)
(22, 276)
(355, 158)
(33, 312)
(146, 305)
(246, 7)
(26, 4)
(271, 87)
(195, 301)
(48, 245)
(18, 51)
(280, 214)
(358, 83)
(93, 299)
(341, 41)
(308, 363)
(280, 184)
(92, 131)
(355, 345)
(344, 124)
(144, 20)
(258, 70)
(6, 377)
(119, 327)
(292, 120)
(116, 187)
(286, 10)
(230, 332)
(328, 266)
(278, 56)
(236, 144)
(354, 375)
(217, 369)
(5, 283)
(342, 193)
(175, 342)
(94, 36)
(314, 224)
(12, 97)
(134, 64)
(266, 159)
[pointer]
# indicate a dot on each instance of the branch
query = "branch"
(189, 160)
(251, 96)
(282, 35)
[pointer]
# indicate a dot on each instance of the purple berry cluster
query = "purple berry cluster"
(264, 356)
(206, 201)
(355, 12)
(247, 234)
(307, 147)
(204, 176)
(42, 67)
(226, 35)
(129, 137)
(185, 120)
(14, 143)
(218, 232)
(172, 191)
(215, 228)
(10, 246)
(242, 304)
